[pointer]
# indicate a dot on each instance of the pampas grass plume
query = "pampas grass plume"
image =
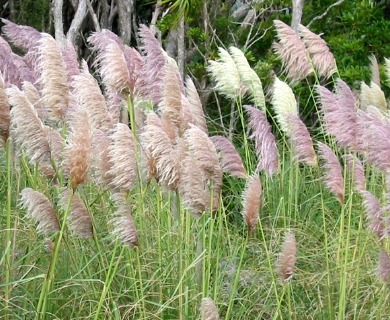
(287, 257)
(265, 143)
(230, 160)
(292, 52)
(384, 266)
(123, 225)
(53, 77)
(208, 309)
(79, 220)
(321, 57)
(249, 79)
(333, 176)
(226, 75)
(284, 103)
(78, 150)
(122, 158)
(4, 111)
(39, 209)
(252, 201)
(301, 140)
(374, 212)
(196, 105)
(357, 172)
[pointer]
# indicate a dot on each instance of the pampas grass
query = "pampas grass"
(287, 257)
(301, 140)
(374, 213)
(321, 57)
(248, 77)
(4, 112)
(333, 176)
(372, 95)
(52, 77)
(265, 143)
(208, 309)
(292, 52)
(383, 270)
(40, 210)
(91, 99)
(30, 132)
(340, 114)
(162, 150)
(78, 149)
(284, 103)
(251, 199)
(230, 160)
(122, 158)
(79, 220)
(226, 75)
(196, 105)
(123, 225)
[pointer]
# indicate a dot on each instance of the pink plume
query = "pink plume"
(333, 176)
(374, 212)
(265, 143)
(230, 160)
(301, 140)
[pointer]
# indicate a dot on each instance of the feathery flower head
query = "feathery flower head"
(53, 78)
(301, 140)
(265, 143)
(78, 150)
(251, 199)
(357, 172)
(226, 75)
(201, 174)
(39, 209)
(287, 257)
(208, 309)
(196, 105)
(88, 95)
(384, 267)
(230, 160)
(321, 57)
(333, 174)
(162, 151)
(248, 77)
(4, 112)
(374, 67)
(79, 220)
(123, 225)
(339, 114)
(171, 102)
(292, 52)
(122, 158)
(23, 37)
(30, 132)
(372, 95)
(374, 212)
(283, 102)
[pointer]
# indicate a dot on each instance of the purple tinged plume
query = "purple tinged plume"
(333, 176)
(230, 160)
(265, 144)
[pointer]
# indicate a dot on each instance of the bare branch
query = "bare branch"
(58, 21)
(77, 21)
(297, 12)
(337, 3)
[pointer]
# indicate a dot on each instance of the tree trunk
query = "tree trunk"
(297, 12)
(77, 21)
(58, 21)
(125, 9)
